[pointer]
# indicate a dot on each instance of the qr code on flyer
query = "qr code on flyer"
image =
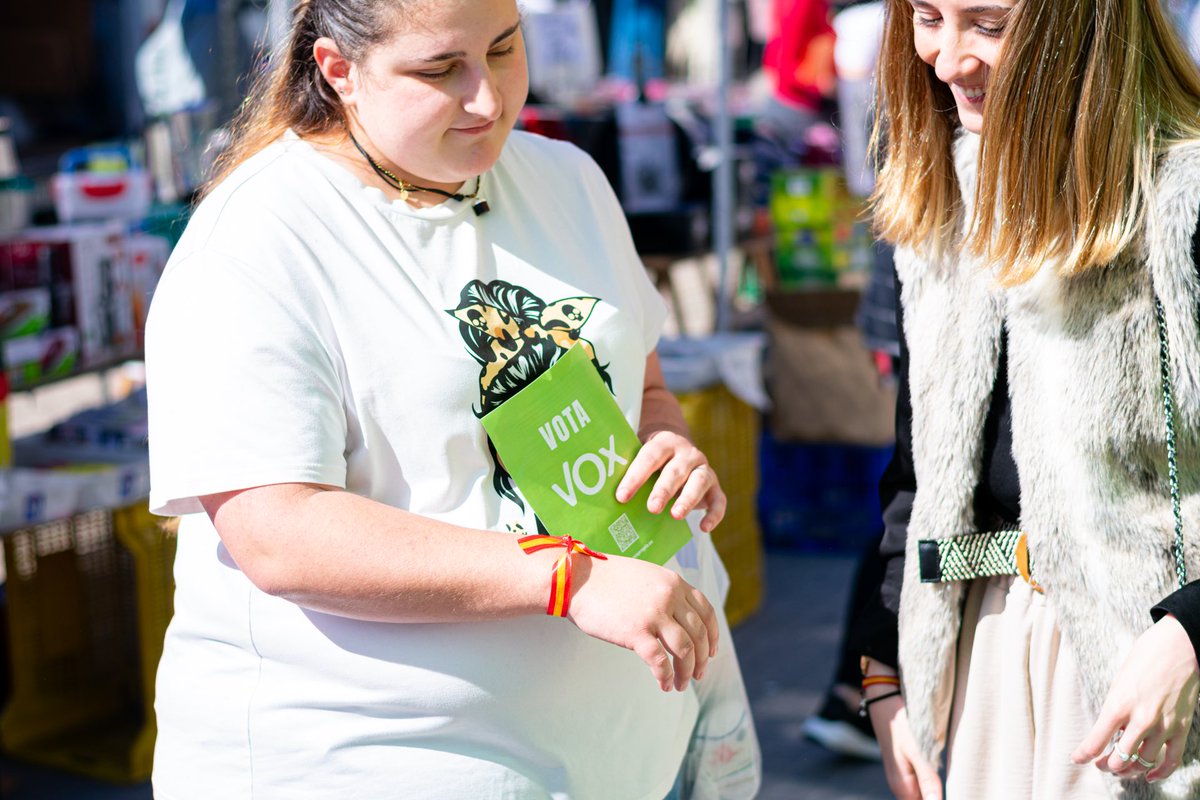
(623, 532)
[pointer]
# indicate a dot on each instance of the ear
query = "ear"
(335, 68)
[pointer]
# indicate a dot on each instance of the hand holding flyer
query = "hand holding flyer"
(566, 444)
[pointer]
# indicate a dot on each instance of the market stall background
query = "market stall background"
(742, 186)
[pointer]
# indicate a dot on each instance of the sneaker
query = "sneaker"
(840, 729)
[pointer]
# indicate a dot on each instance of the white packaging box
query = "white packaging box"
(84, 195)
(101, 285)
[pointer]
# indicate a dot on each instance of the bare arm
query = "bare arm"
(337, 552)
(333, 551)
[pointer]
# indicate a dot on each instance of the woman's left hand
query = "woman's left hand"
(685, 476)
(1149, 707)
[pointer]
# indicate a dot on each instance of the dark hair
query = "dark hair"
(291, 92)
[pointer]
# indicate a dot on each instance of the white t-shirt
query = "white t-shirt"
(307, 329)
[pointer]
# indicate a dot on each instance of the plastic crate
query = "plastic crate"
(820, 497)
(89, 599)
(726, 430)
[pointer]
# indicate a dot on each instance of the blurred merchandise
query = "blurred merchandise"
(100, 182)
(719, 386)
(167, 78)
(86, 266)
(650, 175)
(121, 426)
(16, 203)
(181, 149)
(637, 43)
(148, 256)
(563, 47)
(16, 190)
(859, 36)
(31, 360)
(24, 312)
(822, 236)
(96, 459)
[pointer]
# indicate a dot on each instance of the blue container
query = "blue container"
(820, 497)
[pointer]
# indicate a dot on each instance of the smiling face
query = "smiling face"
(438, 99)
(961, 40)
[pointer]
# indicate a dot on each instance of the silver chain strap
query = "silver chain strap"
(1164, 356)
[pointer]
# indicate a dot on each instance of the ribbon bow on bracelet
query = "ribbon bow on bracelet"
(560, 582)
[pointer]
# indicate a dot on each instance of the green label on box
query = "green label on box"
(566, 443)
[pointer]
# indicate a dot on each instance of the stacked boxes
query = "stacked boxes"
(78, 296)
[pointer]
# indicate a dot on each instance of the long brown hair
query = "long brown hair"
(1087, 95)
(292, 92)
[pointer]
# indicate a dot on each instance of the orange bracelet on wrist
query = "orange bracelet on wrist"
(560, 581)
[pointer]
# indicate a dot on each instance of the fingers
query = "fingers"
(1094, 744)
(709, 615)
(716, 505)
(905, 785)
(1123, 758)
(673, 477)
(1172, 757)
(696, 487)
(648, 461)
(651, 651)
(683, 650)
(1150, 751)
(928, 779)
(684, 473)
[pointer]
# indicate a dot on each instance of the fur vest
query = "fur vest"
(1089, 441)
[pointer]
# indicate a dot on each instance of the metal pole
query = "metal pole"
(723, 199)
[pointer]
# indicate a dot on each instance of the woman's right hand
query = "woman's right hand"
(909, 775)
(647, 609)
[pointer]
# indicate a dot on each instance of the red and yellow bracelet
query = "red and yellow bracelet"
(880, 680)
(560, 581)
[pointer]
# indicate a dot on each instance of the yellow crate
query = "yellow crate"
(727, 430)
(89, 599)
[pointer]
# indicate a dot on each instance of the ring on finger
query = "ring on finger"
(1125, 757)
(1147, 764)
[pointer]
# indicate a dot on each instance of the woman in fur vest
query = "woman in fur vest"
(1040, 176)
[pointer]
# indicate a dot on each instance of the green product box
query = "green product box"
(43, 356)
(566, 443)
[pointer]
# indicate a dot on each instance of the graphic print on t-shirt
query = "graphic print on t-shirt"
(516, 336)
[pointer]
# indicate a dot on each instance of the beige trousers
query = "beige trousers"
(1018, 712)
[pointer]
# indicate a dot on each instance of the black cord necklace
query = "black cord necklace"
(479, 206)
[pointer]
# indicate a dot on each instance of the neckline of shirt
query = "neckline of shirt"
(445, 211)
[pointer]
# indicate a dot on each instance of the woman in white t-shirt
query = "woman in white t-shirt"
(380, 262)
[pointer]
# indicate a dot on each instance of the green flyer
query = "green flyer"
(566, 443)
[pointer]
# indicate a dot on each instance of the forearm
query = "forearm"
(660, 409)
(337, 552)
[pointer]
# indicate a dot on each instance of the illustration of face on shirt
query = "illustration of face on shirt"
(515, 336)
